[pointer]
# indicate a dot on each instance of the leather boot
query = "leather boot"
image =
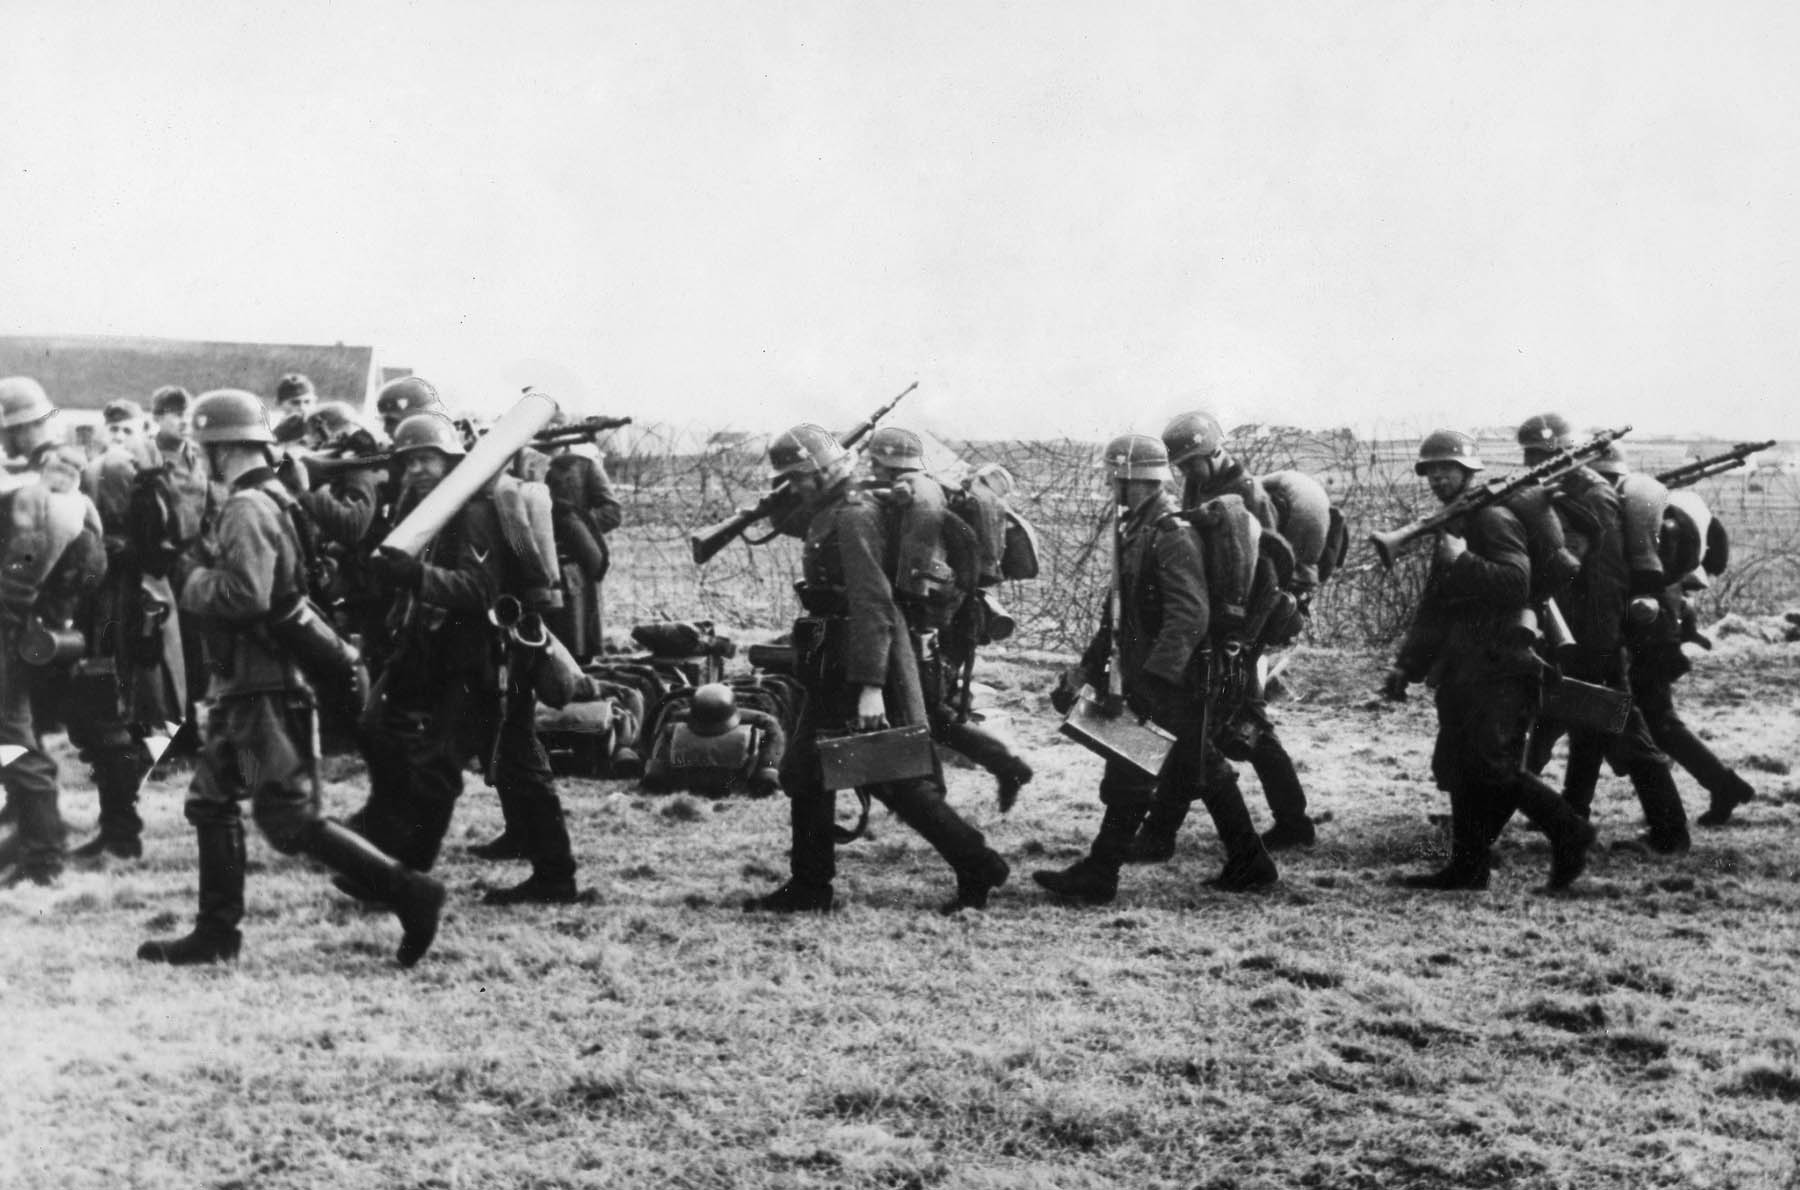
(1570, 835)
(1154, 842)
(1009, 780)
(1663, 811)
(974, 883)
(1469, 865)
(1582, 775)
(1095, 877)
(416, 899)
(1247, 862)
(1288, 833)
(546, 831)
(812, 860)
(978, 869)
(1727, 795)
(215, 936)
(117, 781)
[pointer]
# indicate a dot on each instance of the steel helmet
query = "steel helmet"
(1195, 435)
(22, 402)
(1448, 446)
(230, 415)
(806, 449)
(1611, 462)
(429, 430)
(1546, 431)
(891, 446)
(332, 418)
(408, 394)
(713, 710)
(995, 477)
(1137, 456)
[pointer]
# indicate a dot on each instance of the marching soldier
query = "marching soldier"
(1664, 621)
(1594, 606)
(1161, 649)
(1467, 640)
(857, 663)
(444, 697)
(259, 731)
(926, 581)
(1196, 445)
(50, 554)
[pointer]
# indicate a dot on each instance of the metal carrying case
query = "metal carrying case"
(855, 759)
(1125, 737)
(1586, 704)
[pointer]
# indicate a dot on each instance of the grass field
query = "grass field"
(1642, 1030)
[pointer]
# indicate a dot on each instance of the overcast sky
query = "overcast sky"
(1059, 217)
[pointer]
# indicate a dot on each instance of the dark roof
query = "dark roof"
(87, 371)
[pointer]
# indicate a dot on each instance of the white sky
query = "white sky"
(1059, 217)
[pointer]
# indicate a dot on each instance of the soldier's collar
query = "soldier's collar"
(253, 478)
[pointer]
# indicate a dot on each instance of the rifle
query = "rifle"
(779, 502)
(1692, 473)
(585, 430)
(1388, 546)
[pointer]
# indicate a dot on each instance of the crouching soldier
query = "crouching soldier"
(258, 732)
(1157, 644)
(857, 663)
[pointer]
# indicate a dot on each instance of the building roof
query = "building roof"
(87, 371)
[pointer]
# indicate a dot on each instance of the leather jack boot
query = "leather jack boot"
(1288, 833)
(1468, 869)
(1727, 796)
(1009, 780)
(1570, 835)
(415, 898)
(1095, 877)
(1154, 842)
(120, 830)
(215, 936)
(552, 879)
(1247, 862)
(812, 860)
(1663, 811)
(975, 883)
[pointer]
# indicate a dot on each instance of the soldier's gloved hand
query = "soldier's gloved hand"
(1450, 547)
(764, 783)
(1393, 687)
(1068, 689)
(871, 709)
(1642, 611)
(397, 569)
(291, 471)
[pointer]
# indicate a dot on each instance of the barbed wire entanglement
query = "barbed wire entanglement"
(674, 482)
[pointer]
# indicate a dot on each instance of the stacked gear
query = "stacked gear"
(708, 743)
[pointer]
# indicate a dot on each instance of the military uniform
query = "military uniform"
(583, 511)
(258, 735)
(853, 638)
(50, 553)
(1594, 606)
(1468, 641)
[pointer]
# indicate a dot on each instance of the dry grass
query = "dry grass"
(1337, 1032)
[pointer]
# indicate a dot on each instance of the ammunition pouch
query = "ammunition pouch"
(851, 760)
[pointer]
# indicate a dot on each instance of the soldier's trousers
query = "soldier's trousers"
(919, 802)
(26, 770)
(416, 759)
(984, 747)
(1273, 767)
(1196, 771)
(1654, 694)
(1632, 753)
(260, 747)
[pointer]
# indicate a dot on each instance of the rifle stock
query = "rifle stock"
(1389, 545)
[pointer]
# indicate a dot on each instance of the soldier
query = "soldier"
(258, 738)
(583, 511)
(927, 589)
(294, 401)
(195, 496)
(1161, 649)
(1196, 446)
(1594, 606)
(125, 425)
(50, 551)
(400, 399)
(1466, 640)
(857, 663)
(1662, 620)
(443, 699)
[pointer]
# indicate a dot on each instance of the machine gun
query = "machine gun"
(326, 467)
(1692, 473)
(576, 432)
(1388, 546)
(780, 502)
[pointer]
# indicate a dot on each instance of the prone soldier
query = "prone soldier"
(856, 661)
(1158, 642)
(259, 734)
(1470, 640)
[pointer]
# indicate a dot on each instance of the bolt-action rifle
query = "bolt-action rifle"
(1692, 473)
(779, 504)
(1389, 546)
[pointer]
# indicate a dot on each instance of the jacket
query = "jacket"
(250, 565)
(1468, 624)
